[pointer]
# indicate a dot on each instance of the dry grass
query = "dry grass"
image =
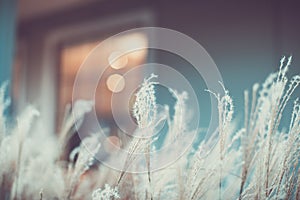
(257, 161)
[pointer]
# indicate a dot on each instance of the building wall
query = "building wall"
(246, 39)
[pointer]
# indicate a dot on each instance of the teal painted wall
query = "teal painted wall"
(7, 38)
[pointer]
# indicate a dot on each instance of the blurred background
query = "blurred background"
(43, 43)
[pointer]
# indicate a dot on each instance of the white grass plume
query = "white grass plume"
(251, 160)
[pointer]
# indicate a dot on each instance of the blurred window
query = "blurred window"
(73, 55)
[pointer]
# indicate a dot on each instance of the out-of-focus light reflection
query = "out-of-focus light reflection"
(136, 43)
(117, 60)
(115, 83)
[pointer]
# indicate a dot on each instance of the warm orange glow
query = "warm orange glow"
(112, 80)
